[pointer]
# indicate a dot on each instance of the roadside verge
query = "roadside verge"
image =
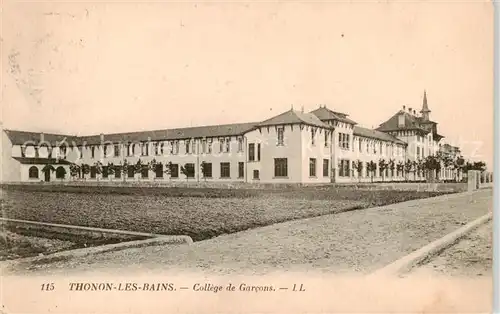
(420, 256)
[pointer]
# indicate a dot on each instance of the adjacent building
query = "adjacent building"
(320, 146)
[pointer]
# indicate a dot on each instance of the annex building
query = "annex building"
(320, 146)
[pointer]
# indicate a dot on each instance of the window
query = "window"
(62, 151)
(360, 145)
(33, 172)
(203, 146)
(256, 174)
(418, 151)
(225, 171)
(159, 170)
(193, 147)
(312, 136)
(145, 149)
(221, 145)
(92, 151)
(128, 149)
(240, 144)
(280, 167)
(161, 147)
(258, 152)
(251, 152)
(209, 146)
(401, 120)
(228, 143)
(105, 171)
(190, 170)
(155, 148)
(241, 170)
(326, 169)
(93, 172)
(60, 172)
(344, 168)
(347, 142)
(344, 140)
(133, 149)
(281, 132)
(174, 171)
(131, 171)
(117, 150)
(207, 170)
(380, 148)
(105, 151)
(187, 146)
(118, 172)
(312, 167)
(145, 171)
(326, 138)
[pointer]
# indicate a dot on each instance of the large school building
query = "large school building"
(320, 146)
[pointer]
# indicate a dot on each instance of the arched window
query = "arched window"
(60, 172)
(33, 172)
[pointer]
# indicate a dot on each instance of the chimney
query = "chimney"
(409, 109)
(404, 107)
(102, 137)
(414, 112)
(42, 137)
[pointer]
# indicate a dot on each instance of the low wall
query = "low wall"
(412, 186)
(79, 234)
(177, 184)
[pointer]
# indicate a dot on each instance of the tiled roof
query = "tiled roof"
(369, 133)
(23, 137)
(173, 134)
(411, 123)
(324, 113)
(41, 161)
(294, 117)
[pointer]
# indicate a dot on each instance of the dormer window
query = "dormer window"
(401, 120)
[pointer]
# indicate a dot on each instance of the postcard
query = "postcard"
(246, 157)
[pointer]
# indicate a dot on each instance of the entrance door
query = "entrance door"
(47, 175)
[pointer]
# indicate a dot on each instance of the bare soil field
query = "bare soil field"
(198, 213)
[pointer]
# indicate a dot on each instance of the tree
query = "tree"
(408, 167)
(168, 169)
(152, 166)
(371, 167)
(418, 167)
(188, 171)
(85, 170)
(358, 165)
(204, 170)
(111, 170)
(124, 169)
(458, 165)
(392, 165)
(382, 164)
(138, 167)
(74, 170)
(98, 169)
(401, 167)
(431, 165)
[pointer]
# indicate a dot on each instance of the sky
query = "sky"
(100, 67)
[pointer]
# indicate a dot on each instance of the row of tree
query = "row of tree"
(430, 164)
(139, 167)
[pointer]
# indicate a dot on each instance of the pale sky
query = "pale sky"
(87, 68)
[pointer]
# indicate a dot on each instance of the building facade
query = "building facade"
(296, 147)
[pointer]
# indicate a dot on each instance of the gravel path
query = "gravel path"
(471, 257)
(359, 241)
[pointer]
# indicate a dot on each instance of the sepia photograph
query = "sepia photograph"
(246, 157)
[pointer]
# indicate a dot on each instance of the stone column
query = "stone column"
(471, 180)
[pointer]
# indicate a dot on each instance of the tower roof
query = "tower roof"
(425, 107)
